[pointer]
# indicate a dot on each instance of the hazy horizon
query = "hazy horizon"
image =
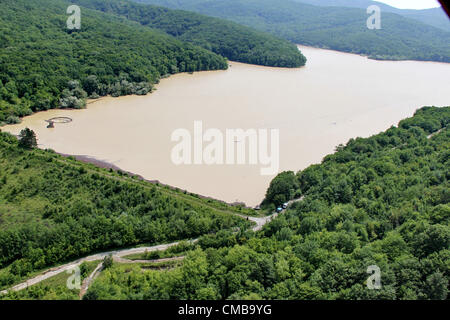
(412, 4)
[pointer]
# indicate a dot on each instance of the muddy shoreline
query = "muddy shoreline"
(106, 165)
(334, 98)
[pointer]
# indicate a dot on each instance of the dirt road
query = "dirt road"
(119, 254)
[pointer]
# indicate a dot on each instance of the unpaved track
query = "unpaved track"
(119, 254)
(87, 282)
(123, 260)
(262, 221)
(435, 133)
(95, 257)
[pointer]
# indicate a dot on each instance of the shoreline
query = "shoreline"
(368, 57)
(107, 165)
(254, 104)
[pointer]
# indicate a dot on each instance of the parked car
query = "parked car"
(285, 205)
(279, 209)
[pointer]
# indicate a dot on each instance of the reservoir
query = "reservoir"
(335, 97)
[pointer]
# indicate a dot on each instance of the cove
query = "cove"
(335, 97)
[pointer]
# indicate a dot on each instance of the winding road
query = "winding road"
(95, 257)
(262, 221)
(119, 254)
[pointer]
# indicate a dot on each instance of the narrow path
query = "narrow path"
(435, 133)
(95, 257)
(119, 254)
(428, 137)
(87, 282)
(123, 260)
(262, 221)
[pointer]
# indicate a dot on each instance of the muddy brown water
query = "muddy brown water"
(337, 96)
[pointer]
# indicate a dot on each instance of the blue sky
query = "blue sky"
(412, 4)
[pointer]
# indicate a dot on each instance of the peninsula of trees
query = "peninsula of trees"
(338, 28)
(125, 50)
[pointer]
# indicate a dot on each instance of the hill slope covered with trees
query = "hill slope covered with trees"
(228, 39)
(45, 65)
(435, 17)
(337, 28)
(380, 201)
(54, 209)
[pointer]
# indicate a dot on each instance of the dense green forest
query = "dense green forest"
(228, 39)
(435, 17)
(381, 201)
(337, 28)
(54, 209)
(45, 65)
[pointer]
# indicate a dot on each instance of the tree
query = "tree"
(281, 188)
(91, 85)
(194, 272)
(108, 262)
(27, 139)
(436, 287)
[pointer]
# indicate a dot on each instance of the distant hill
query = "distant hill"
(337, 28)
(228, 39)
(45, 65)
(435, 17)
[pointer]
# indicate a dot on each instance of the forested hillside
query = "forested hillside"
(45, 65)
(54, 209)
(228, 39)
(380, 201)
(435, 17)
(337, 28)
